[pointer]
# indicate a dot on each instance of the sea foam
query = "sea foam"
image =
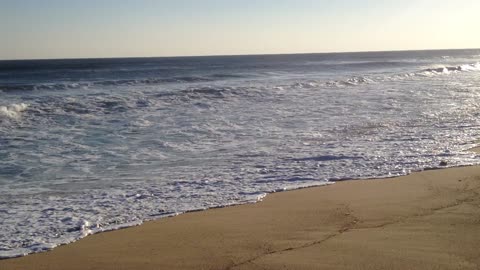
(13, 111)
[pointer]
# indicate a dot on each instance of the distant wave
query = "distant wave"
(347, 82)
(110, 104)
(202, 95)
(368, 79)
(448, 69)
(371, 64)
(353, 81)
(359, 80)
(12, 111)
(206, 92)
(126, 82)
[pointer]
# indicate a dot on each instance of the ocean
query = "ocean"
(90, 145)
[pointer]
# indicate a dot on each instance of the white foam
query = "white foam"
(472, 67)
(13, 111)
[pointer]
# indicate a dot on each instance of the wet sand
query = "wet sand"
(427, 220)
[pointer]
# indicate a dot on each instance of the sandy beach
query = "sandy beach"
(426, 220)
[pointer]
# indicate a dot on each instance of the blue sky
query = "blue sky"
(101, 28)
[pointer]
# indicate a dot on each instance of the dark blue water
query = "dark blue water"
(59, 74)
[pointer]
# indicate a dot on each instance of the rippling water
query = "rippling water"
(99, 144)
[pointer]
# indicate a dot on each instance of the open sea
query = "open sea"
(99, 144)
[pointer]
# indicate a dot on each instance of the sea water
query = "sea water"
(99, 144)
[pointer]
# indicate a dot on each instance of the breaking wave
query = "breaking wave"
(448, 69)
(107, 83)
(347, 82)
(359, 80)
(12, 111)
(353, 81)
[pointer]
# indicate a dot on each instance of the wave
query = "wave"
(448, 69)
(203, 95)
(13, 111)
(125, 82)
(353, 81)
(359, 80)
(369, 79)
(99, 105)
(347, 82)
(207, 92)
(372, 64)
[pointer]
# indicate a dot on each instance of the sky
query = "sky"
(43, 29)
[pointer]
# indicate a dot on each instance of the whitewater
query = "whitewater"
(99, 144)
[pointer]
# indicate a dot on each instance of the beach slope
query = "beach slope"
(427, 220)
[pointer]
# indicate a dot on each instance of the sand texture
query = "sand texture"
(427, 220)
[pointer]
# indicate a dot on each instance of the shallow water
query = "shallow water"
(93, 145)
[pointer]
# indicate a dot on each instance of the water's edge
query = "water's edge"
(260, 198)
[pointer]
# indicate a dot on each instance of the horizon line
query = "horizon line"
(232, 55)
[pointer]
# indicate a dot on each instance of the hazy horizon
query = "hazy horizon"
(233, 55)
(55, 29)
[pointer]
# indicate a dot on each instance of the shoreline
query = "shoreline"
(260, 198)
(299, 229)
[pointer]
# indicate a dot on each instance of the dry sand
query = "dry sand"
(427, 220)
